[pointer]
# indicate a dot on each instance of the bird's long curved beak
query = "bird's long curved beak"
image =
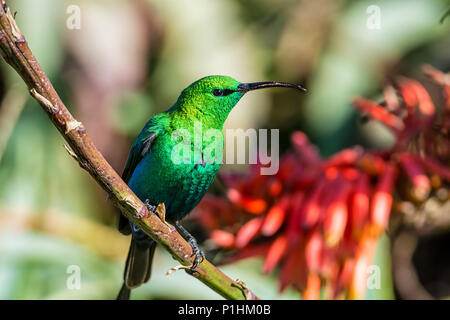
(245, 87)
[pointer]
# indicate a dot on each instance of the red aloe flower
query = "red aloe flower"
(320, 220)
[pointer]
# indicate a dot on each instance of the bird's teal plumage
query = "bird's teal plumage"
(153, 175)
(156, 177)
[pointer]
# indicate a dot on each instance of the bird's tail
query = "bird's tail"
(124, 293)
(138, 266)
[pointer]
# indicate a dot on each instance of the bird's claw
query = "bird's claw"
(199, 254)
(199, 257)
(150, 207)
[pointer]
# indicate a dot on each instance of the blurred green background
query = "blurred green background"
(129, 60)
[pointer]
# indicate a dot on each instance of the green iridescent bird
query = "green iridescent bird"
(155, 178)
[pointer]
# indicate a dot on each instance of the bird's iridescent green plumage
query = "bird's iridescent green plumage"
(156, 177)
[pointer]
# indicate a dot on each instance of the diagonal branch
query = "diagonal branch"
(16, 52)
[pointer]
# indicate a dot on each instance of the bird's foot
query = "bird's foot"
(150, 207)
(199, 254)
(196, 251)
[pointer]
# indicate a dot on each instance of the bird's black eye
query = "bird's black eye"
(222, 92)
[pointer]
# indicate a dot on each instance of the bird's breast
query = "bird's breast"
(180, 186)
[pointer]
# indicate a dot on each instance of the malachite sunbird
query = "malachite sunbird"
(155, 178)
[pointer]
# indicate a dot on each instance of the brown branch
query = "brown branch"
(16, 52)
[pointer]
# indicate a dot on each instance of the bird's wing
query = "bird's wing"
(139, 149)
(141, 146)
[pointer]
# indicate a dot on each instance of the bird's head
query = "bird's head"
(215, 96)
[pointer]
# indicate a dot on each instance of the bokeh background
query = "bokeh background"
(130, 59)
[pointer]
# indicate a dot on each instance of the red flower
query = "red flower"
(320, 220)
